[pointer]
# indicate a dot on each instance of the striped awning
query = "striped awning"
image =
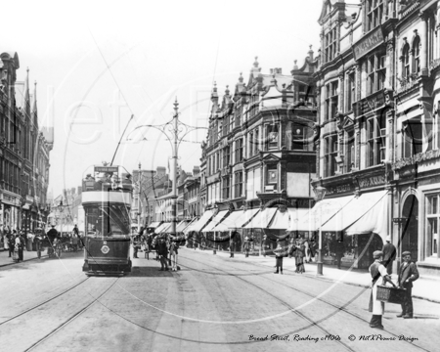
(215, 221)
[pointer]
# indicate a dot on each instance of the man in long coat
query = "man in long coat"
(389, 255)
(408, 273)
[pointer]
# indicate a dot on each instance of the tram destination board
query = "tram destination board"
(106, 169)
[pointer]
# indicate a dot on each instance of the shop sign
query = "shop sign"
(345, 188)
(372, 181)
(368, 43)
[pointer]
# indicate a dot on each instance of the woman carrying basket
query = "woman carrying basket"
(379, 276)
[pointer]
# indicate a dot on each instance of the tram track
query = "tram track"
(70, 319)
(44, 302)
(342, 308)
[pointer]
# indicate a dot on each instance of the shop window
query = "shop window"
(330, 153)
(376, 135)
(433, 226)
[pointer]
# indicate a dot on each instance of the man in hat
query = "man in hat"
(389, 255)
(377, 271)
(246, 246)
(407, 274)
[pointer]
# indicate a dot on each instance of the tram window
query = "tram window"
(110, 220)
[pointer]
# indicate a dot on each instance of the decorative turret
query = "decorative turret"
(311, 53)
(240, 86)
(214, 99)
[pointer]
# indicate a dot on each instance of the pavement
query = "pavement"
(426, 287)
(5, 260)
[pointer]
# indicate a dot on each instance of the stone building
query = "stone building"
(259, 152)
(378, 156)
(24, 152)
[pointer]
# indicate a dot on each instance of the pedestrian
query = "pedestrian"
(263, 246)
(246, 246)
(11, 244)
(174, 247)
(389, 255)
(408, 273)
(377, 271)
(307, 251)
(163, 254)
(231, 245)
(280, 253)
(339, 252)
(148, 243)
(291, 249)
(299, 255)
(19, 244)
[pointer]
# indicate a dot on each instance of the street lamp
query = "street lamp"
(175, 131)
(319, 195)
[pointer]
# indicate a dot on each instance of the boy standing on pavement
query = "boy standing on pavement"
(279, 255)
(407, 274)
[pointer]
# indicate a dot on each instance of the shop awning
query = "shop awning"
(161, 227)
(353, 211)
(153, 225)
(245, 217)
(197, 226)
(182, 225)
(287, 219)
(167, 228)
(262, 219)
(373, 220)
(322, 212)
(215, 221)
(229, 222)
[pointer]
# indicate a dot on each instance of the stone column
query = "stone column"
(390, 69)
(424, 45)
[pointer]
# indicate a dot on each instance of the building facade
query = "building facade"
(24, 152)
(378, 107)
(260, 150)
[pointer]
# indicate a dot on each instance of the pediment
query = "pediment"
(272, 157)
(347, 123)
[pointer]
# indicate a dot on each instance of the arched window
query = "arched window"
(405, 61)
(416, 55)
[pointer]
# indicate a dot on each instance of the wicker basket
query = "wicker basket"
(390, 294)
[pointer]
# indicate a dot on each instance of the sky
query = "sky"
(98, 63)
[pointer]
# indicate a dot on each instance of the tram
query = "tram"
(106, 199)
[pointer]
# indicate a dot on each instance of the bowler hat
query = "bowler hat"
(377, 254)
(406, 253)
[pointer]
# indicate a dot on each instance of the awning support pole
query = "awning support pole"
(320, 264)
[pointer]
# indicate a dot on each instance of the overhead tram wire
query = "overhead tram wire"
(120, 90)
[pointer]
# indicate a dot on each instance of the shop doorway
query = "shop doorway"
(409, 239)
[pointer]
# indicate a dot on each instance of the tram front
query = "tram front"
(106, 199)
